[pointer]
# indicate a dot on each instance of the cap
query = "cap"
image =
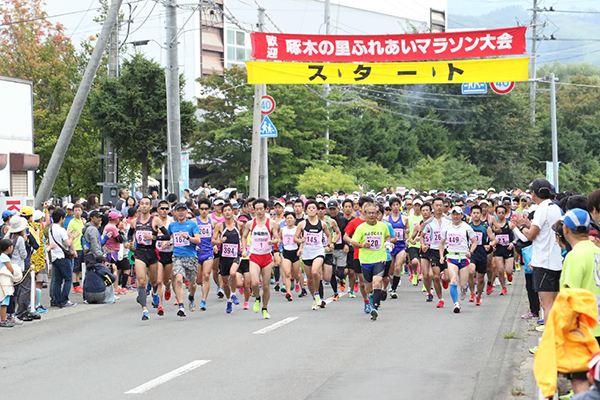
(114, 215)
(491, 190)
(69, 206)
(457, 209)
(243, 218)
(219, 202)
(279, 202)
(6, 214)
(332, 204)
(506, 199)
(576, 218)
(288, 210)
(484, 202)
(540, 184)
(27, 211)
(180, 205)
(92, 214)
(37, 215)
(235, 204)
(418, 201)
(17, 224)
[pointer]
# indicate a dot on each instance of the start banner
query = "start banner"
(382, 48)
(456, 71)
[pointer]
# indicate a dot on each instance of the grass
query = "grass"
(511, 335)
(517, 391)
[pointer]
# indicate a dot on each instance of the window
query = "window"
(238, 47)
(230, 37)
(240, 38)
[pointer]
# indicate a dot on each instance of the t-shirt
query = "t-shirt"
(4, 258)
(112, 244)
(414, 221)
(433, 229)
(392, 235)
(68, 220)
(546, 251)
(58, 235)
(351, 229)
(183, 247)
(457, 238)
(580, 271)
(76, 225)
(375, 235)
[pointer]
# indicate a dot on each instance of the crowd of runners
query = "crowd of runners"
(361, 244)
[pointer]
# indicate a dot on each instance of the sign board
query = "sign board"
(550, 171)
(185, 171)
(267, 105)
(502, 87)
(267, 129)
(15, 203)
(473, 88)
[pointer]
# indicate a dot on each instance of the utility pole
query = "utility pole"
(327, 88)
(173, 112)
(256, 154)
(554, 131)
(66, 134)
(532, 73)
(110, 159)
(264, 145)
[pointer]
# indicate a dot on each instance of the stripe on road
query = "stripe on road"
(167, 377)
(329, 300)
(275, 325)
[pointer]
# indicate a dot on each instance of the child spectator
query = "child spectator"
(6, 281)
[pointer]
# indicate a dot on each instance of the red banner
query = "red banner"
(373, 48)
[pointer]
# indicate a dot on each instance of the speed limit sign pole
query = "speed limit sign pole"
(264, 156)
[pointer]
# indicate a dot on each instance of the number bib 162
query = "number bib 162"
(179, 240)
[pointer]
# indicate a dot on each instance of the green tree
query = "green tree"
(324, 179)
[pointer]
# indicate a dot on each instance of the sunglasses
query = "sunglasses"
(164, 208)
(204, 208)
(321, 208)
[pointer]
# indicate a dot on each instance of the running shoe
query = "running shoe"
(168, 294)
(145, 315)
(161, 311)
(518, 267)
(367, 309)
(282, 290)
(181, 311)
(463, 293)
(192, 306)
(440, 304)
(489, 289)
(343, 285)
(540, 321)
(235, 300)
(529, 315)
(478, 301)
(429, 298)
(374, 314)
(155, 300)
(220, 293)
(266, 314)
(295, 287)
(257, 306)
(444, 284)
(314, 305)
(303, 293)
(540, 328)
(277, 287)
(323, 304)
(351, 294)
(394, 295)
(288, 296)
(40, 309)
(272, 281)
(509, 277)
(503, 292)
(229, 307)
(383, 295)
(78, 289)
(203, 305)
(245, 305)
(456, 308)
(415, 280)
(356, 286)
(420, 277)
(533, 350)
(241, 290)
(424, 289)
(336, 297)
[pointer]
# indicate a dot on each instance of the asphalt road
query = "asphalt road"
(413, 351)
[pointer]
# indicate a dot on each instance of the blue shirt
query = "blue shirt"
(183, 247)
(392, 235)
(67, 220)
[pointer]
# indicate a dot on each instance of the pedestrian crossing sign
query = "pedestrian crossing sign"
(267, 129)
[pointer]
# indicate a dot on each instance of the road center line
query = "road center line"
(167, 377)
(275, 325)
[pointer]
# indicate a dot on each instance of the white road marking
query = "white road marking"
(167, 377)
(275, 325)
(329, 300)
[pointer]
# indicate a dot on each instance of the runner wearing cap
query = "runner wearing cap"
(112, 237)
(185, 235)
(479, 259)
(458, 238)
(340, 248)
(165, 256)
(335, 233)
(277, 220)
(344, 220)
(401, 229)
(414, 243)
(504, 256)
(424, 251)
(486, 220)
(217, 217)
(291, 253)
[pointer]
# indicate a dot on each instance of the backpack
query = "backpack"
(86, 246)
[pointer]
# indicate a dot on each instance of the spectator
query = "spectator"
(92, 202)
(91, 236)
(546, 261)
(98, 283)
(76, 225)
(129, 203)
(593, 205)
(6, 216)
(593, 377)
(154, 197)
(62, 271)
(39, 260)
(139, 194)
(7, 278)
(123, 195)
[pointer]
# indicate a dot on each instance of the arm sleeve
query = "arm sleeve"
(165, 234)
(130, 234)
(520, 235)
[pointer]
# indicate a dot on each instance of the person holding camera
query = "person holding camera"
(61, 255)
(98, 283)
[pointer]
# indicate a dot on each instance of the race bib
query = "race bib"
(502, 240)
(437, 236)
(230, 250)
(313, 239)
(339, 240)
(179, 240)
(139, 238)
(260, 243)
(399, 234)
(205, 231)
(426, 240)
(374, 241)
(164, 246)
(479, 236)
(288, 240)
(454, 239)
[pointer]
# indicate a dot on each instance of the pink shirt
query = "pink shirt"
(112, 243)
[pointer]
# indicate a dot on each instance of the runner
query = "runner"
(243, 280)
(334, 232)
(340, 248)
(145, 230)
(227, 237)
(455, 238)
(485, 241)
(300, 216)
(291, 253)
(217, 217)
(277, 220)
(205, 250)
(504, 255)
(400, 225)
(414, 244)
(345, 219)
(165, 256)
(186, 236)
(424, 254)
(389, 247)
(263, 236)
(309, 236)
(486, 221)
(369, 239)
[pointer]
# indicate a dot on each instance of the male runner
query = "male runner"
(401, 228)
(334, 232)
(340, 248)
(414, 244)
(486, 221)
(227, 237)
(205, 250)
(165, 256)
(277, 220)
(347, 217)
(424, 254)
(217, 217)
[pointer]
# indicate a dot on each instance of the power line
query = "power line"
(147, 16)
(406, 104)
(82, 18)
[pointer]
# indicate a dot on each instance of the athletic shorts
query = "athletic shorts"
(434, 258)
(502, 251)
(309, 262)
(262, 260)
(186, 266)
(77, 261)
(244, 266)
(225, 265)
(111, 258)
(165, 258)
(355, 266)
(371, 270)
(147, 256)
(480, 266)
(413, 252)
(397, 250)
(545, 280)
(464, 262)
(424, 255)
(340, 259)
(5, 301)
(328, 259)
(291, 255)
(386, 272)
(205, 255)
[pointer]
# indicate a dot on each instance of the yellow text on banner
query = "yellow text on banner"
(401, 73)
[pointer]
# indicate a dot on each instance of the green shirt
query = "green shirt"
(580, 271)
(413, 222)
(76, 225)
(374, 234)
